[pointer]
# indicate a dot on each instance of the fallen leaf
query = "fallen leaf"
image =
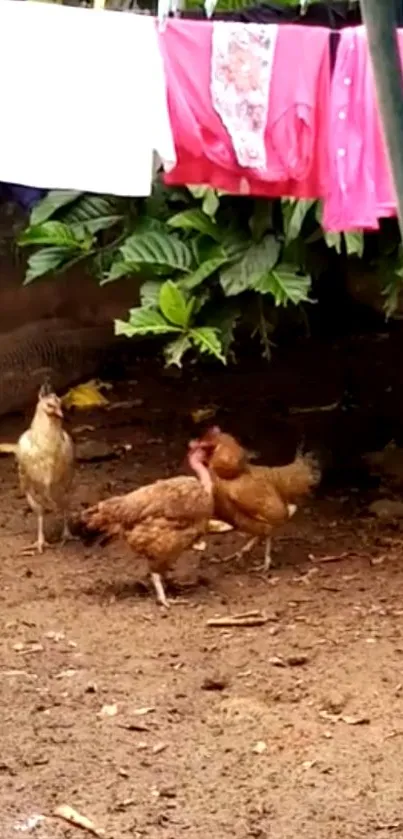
(218, 526)
(259, 747)
(108, 711)
(74, 817)
(201, 414)
(86, 396)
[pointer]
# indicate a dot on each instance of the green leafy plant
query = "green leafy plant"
(195, 252)
(171, 311)
(201, 258)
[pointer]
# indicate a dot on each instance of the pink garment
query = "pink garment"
(295, 136)
(360, 189)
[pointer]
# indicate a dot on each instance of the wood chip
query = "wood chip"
(69, 814)
(276, 661)
(332, 557)
(355, 720)
(26, 650)
(159, 747)
(253, 618)
(141, 712)
(133, 726)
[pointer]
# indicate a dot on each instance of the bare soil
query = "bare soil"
(158, 725)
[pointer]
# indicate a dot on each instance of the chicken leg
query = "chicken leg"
(159, 588)
(41, 543)
(67, 535)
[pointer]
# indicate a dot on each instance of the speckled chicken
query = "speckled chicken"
(158, 521)
(45, 458)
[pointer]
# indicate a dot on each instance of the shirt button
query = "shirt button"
(342, 114)
(341, 152)
(347, 81)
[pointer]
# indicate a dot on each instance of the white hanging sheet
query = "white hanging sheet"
(82, 99)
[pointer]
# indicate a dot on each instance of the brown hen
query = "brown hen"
(158, 521)
(255, 499)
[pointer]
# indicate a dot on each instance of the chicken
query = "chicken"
(159, 521)
(255, 499)
(45, 458)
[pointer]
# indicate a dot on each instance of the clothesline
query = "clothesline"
(264, 110)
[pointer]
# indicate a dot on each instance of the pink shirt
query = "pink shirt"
(295, 136)
(360, 188)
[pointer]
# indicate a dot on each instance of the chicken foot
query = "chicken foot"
(242, 551)
(159, 589)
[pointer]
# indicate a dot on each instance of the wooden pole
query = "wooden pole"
(379, 17)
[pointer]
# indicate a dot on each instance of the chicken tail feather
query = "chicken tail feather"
(299, 477)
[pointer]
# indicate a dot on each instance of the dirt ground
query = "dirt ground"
(158, 725)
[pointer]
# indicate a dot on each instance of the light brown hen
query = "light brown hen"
(255, 499)
(158, 521)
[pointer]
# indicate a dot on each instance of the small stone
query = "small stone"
(259, 747)
(386, 508)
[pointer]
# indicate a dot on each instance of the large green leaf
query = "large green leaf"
(261, 219)
(294, 214)
(207, 341)
(45, 260)
(144, 322)
(55, 233)
(147, 224)
(120, 269)
(258, 260)
(354, 244)
(333, 240)
(150, 294)
(173, 304)
(205, 270)
(234, 245)
(195, 219)
(285, 286)
(157, 249)
(52, 202)
(210, 198)
(94, 212)
(175, 350)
